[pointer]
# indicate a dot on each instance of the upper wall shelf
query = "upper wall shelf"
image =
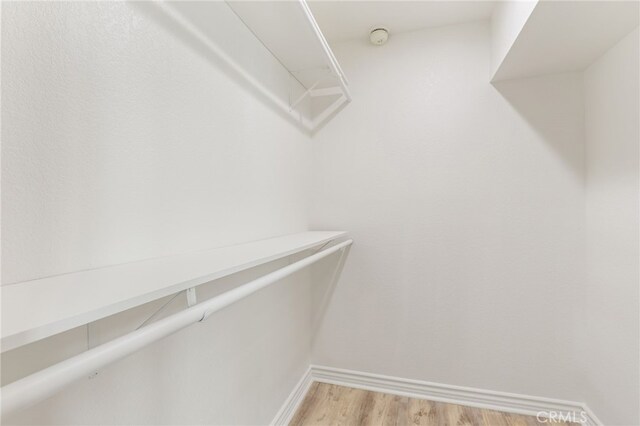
(561, 36)
(290, 32)
(33, 310)
(275, 48)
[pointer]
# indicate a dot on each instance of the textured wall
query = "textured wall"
(122, 141)
(466, 203)
(612, 116)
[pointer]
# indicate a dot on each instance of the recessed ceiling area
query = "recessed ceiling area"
(563, 36)
(348, 20)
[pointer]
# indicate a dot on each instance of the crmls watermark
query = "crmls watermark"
(561, 417)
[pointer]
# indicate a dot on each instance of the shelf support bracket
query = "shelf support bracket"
(329, 91)
(158, 311)
(309, 91)
(192, 298)
(304, 95)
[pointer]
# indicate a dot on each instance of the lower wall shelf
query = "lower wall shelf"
(33, 310)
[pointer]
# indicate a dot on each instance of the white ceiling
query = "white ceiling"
(347, 20)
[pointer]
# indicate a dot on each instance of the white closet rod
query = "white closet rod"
(45, 383)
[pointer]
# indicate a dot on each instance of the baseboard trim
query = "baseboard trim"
(290, 406)
(480, 398)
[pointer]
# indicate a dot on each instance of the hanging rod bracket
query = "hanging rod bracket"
(192, 298)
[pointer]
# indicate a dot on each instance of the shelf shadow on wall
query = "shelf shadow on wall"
(191, 36)
(553, 107)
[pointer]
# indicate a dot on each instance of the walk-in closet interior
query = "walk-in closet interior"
(320, 212)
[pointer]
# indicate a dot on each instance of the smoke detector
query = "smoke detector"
(379, 36)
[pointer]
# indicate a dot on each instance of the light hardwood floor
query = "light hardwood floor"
(327, 404)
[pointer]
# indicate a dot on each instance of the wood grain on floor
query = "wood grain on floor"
(327, 404)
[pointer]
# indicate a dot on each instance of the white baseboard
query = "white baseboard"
(481, 398)
(288, 409)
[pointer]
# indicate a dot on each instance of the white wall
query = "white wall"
(466, 205)
(612, 348)
(122, 141)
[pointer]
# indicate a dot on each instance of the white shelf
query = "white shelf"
(290, 32)
(567, 36)
(274, 47)
(33, 310)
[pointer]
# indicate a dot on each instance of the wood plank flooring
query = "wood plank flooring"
(327, 404)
